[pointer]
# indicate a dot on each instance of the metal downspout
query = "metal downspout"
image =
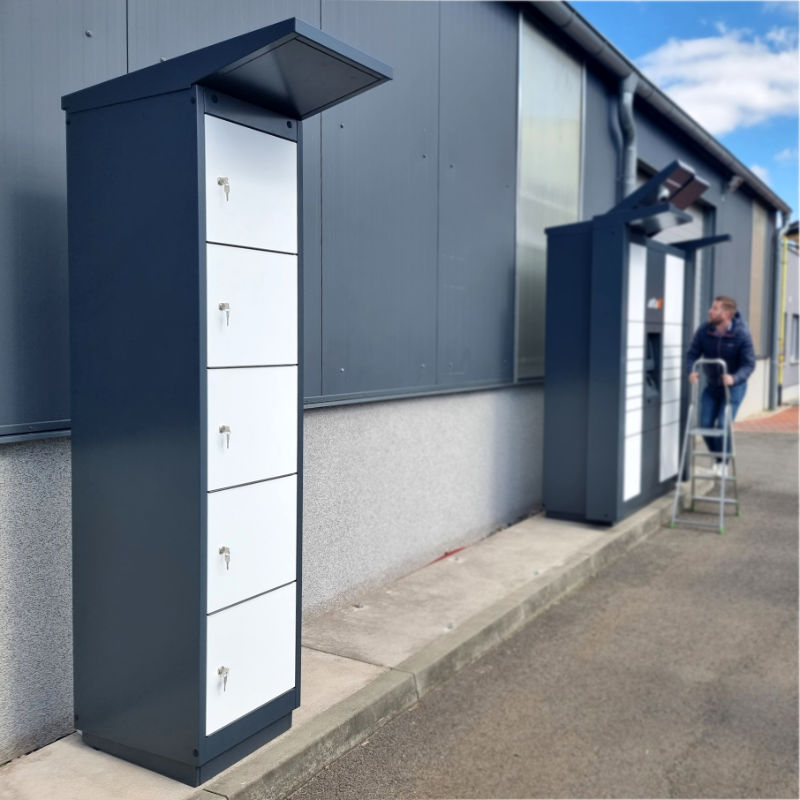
(574, 27)
(627, 90)
(776, 310)
(782, 312)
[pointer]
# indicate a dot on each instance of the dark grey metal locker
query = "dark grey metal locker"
(185, 279)
(618, 325)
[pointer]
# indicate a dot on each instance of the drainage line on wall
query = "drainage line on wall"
(777, 310)
(627, 90)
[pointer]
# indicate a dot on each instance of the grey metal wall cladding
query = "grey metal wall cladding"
(658, 147)
(477, 192)
(158, 29)
(311, 253)
(732, 261)
(769, 320)
(45, 51)
(601, 154)
(379, 206)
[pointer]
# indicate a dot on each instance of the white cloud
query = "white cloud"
(761, 172)
(729, 81)
(782, 37)
(786, 7)
(786, 155)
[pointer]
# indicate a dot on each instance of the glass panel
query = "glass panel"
(550, 122)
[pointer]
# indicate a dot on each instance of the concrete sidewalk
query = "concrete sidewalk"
(366, 663)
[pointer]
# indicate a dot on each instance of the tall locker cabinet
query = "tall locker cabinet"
(185, 280)
(618, 324)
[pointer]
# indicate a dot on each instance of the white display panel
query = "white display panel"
(634, 372)
(260, 172)
(632, 479)
(252, 307)
(255, 526)
(671, 390)
(669, 449)
(259, 408)
(674, 269)
(633, 422)
(637, 273)
(255, 642)
(672, 381)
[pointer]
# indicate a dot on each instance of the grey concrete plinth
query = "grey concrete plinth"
(390, 486)
(35, 595)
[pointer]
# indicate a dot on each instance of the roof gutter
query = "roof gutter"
(575, 27)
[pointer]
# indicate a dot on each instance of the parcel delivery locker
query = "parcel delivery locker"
(617, 317)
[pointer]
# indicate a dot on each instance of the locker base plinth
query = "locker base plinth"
(567, 516)
(191, 774)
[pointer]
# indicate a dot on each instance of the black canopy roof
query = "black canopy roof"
(291, 67)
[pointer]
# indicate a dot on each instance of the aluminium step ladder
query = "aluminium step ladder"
(691, 453)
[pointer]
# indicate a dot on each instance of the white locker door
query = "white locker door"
(250, 656)
(634, 373)
(251, 187)
(252, 307)
(252, 424)
(252, 540)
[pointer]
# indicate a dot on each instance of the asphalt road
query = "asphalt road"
(674, 673)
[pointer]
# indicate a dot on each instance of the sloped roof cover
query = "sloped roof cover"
(291, 67)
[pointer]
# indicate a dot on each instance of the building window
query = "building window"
(550, 130)
(794, 340)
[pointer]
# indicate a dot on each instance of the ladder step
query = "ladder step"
(697, 524)
(710, 432)
(714, 499)
(705, 453)
(711, 476)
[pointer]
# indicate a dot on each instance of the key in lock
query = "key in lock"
(226, 187)
(223, 673)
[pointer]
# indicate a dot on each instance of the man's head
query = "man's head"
(722, 310)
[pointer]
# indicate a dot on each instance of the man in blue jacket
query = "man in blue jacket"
(724, 336)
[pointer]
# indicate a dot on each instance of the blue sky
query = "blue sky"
(732, 65)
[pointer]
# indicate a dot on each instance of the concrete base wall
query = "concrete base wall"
(388, 487)
(35, 595)
(790, 394)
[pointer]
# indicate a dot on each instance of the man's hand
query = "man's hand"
(694, 377)
(727, 379)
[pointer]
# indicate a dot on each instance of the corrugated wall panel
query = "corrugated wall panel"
(732, 263)
(379, 206)
(477, 194)
(311, 235)
(601, 159)
(45, 51)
